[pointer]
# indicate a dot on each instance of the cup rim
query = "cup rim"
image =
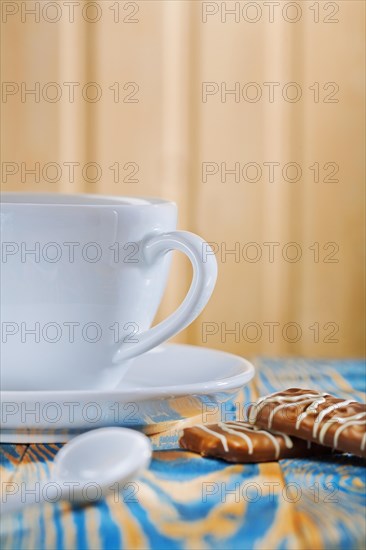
(85, 200)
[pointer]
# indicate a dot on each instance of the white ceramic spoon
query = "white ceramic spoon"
(86, 469)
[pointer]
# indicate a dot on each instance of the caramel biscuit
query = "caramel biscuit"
(314, 416)
(242, 442)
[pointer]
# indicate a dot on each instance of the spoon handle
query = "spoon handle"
(16, 496)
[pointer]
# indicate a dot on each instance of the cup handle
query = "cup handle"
(203, 282)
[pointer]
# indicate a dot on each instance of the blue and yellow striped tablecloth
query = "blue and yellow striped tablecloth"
(186, 502)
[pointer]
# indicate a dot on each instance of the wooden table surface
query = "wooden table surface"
(185, 501)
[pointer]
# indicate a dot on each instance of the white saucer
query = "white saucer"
(168, 384)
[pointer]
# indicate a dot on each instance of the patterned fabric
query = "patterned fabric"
(186, 502)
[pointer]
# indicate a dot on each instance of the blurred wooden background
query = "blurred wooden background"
(152, 132)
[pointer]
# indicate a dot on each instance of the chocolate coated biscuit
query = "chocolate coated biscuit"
(242, 442)
(314, 416)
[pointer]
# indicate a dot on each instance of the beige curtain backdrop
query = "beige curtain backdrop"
(252, 121)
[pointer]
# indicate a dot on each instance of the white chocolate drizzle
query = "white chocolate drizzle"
(237, 428)
(311, 409)
(326, 411)
(287, 439)
(363, 442)
(222, 437)
(283, 400)
(346, 425)
(243, 436)
(346, 422)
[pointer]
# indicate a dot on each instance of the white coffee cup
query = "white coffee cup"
(82, 277)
